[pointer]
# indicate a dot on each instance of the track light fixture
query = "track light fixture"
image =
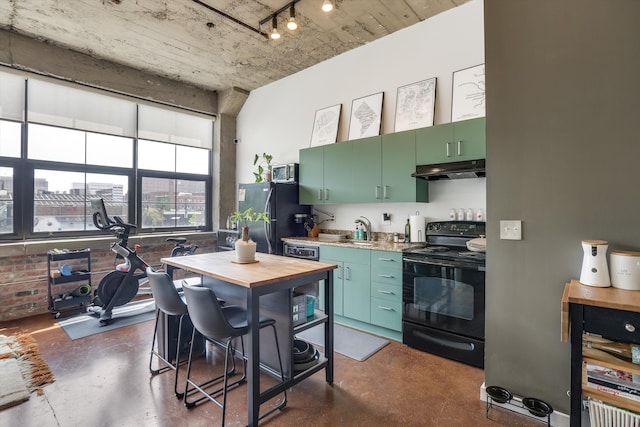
(292, 24)
(275, 35)
(327, 6)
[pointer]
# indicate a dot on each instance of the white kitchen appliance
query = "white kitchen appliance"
(595, 271)
(418, 224)
(625, 270)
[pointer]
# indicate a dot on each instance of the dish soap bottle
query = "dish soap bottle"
(407, 232)
(452, 214)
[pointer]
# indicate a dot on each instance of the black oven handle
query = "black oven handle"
(443, 263)
(465, 346)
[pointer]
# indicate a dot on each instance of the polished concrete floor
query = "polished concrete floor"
(103, 380)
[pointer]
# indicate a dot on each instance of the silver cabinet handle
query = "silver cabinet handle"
(386, 259)
(448, 149)
(326, 194)
(386, 276)
(385, 308)
(629, 327)
(320, 194)
(385, 292)
(384, 191)
(459, 148)
(377, 192)
(339, 274)
(347, 276)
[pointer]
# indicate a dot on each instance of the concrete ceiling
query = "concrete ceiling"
(193, 41)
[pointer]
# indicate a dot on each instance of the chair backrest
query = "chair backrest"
(206, 313)
(165, 293)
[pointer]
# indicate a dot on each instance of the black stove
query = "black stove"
(447, 240)
(443, 293)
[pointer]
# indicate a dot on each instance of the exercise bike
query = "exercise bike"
(121, 285)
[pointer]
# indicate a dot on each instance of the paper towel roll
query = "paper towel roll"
(418, 225)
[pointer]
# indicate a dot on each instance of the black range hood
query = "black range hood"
(453, 170)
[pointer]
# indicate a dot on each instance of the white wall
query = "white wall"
(278, 118)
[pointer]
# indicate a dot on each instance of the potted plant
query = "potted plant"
(245, 247)
(264, 167)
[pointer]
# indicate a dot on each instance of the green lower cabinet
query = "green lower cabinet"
(337, 288)
(356, 291)
(386, 313)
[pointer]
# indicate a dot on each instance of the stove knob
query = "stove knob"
(437, 227)
(430, 227)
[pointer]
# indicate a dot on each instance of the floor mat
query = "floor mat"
(349, 342)
(86, 324)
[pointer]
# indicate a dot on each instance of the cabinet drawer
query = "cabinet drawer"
(354, 256)
(617, 325)
(386, 291)
(387, 314)
(386, 267)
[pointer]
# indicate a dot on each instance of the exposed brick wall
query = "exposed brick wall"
(23, 278)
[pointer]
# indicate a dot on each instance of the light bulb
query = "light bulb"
(275, 35)
(292, 24)
(327, 6)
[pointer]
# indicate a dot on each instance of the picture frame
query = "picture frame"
(415, 105)
(366, 116)
(325, 125)
(468, 98)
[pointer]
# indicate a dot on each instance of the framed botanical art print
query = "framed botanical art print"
(468, 100)
(415, 105)
(325, 126)
(366, 116)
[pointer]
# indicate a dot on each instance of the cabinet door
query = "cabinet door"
(337, 173)
(398, 163)
(338, 286)
(470, 139)
(386, 313)
(357, 291)
(434, 144)
(366, 181)
(311, 176)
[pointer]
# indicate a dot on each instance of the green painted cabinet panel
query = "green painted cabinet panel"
(338, 286)
(311, 176)
(387, 314)
(471, 137)
(337, 172)
(398, 163)
(451, 142)
(352, 278)
(366, 171)
(386, 267)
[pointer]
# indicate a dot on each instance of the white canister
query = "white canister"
(595, 271)
(625, 270)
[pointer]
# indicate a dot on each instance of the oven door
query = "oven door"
(444, 295)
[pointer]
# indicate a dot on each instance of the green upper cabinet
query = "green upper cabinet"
(451, 142)
(311, 176)
(366, 171)
(398, 163)
(325, 174)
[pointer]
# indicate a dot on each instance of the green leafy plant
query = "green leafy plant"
(247, 217)
(262, 162)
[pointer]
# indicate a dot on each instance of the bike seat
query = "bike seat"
(177, 240)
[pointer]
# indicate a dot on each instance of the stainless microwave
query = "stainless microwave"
(285, 173)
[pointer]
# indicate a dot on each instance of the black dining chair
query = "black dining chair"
(169, 302)
(221, 325)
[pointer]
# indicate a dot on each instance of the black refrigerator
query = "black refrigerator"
(280, 199)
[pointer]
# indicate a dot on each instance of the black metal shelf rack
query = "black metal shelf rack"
(79, 298)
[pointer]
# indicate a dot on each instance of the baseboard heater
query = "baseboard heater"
(603, 415)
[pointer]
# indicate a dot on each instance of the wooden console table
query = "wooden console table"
(270, 274)
(610, 312)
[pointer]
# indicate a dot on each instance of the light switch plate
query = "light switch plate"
(510, 229)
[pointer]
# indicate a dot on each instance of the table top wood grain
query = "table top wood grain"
(269, 268)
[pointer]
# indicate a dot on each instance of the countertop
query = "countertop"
(376, 245)
(267, 269)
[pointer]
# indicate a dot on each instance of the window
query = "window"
(87, 147)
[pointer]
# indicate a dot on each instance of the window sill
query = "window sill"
(37, 247)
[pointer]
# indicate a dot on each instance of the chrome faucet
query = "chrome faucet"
(367, 226)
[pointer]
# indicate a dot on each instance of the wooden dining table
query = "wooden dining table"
(269, 274)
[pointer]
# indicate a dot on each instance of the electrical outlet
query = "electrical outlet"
(511, 230)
